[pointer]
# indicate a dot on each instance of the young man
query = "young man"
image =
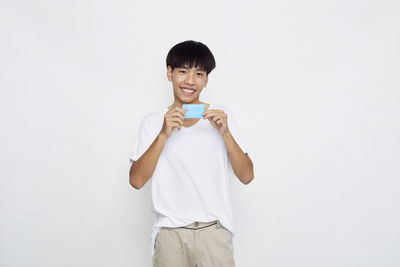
(189, 160)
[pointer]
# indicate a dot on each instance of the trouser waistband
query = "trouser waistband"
(201, 225)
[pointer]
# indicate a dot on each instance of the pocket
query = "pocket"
(228, 233)
(157, 243)
(158, 236)
(155, 263)
(226, 244)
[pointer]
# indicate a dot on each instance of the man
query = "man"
(188, 160)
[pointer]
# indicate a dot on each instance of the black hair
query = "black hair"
(191, 53)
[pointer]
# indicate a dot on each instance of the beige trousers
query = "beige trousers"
(196, 245)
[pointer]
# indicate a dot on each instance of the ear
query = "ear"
(169, 73)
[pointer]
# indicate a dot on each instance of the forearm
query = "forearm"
(241, 163)
(142, 169)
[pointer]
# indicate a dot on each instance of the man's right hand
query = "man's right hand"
(172, 119)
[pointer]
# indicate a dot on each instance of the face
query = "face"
(191, 79)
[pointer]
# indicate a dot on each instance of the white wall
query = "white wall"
(315, 89)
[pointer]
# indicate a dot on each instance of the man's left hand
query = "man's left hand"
(218, 119)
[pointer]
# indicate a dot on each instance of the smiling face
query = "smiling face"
(189, 79)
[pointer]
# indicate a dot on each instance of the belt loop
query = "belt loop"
(218, 224)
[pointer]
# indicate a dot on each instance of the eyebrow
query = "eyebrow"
(199, 69)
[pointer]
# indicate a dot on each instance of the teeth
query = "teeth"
(188, 91)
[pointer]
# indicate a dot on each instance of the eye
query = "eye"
(182, 71)
(201, 74)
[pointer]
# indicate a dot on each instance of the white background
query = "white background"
(314, 86)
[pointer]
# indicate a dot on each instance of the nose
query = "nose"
(189, 79)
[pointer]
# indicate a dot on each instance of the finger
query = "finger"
(211, 116)
(212, 121)
(174, 110)
(215, 118)
(175, 115)
(176, 119)
(214, 111)
(176, 125)
(208, 114)
(179, 115)
(179, 120)
(181, 111)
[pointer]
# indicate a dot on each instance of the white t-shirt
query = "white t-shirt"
(191, 180)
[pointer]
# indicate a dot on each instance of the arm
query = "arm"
(142, 169)
(241, 163)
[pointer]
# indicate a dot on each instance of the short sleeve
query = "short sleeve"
(234, 129)
(143, 141)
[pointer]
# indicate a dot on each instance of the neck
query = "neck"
(178, 103)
